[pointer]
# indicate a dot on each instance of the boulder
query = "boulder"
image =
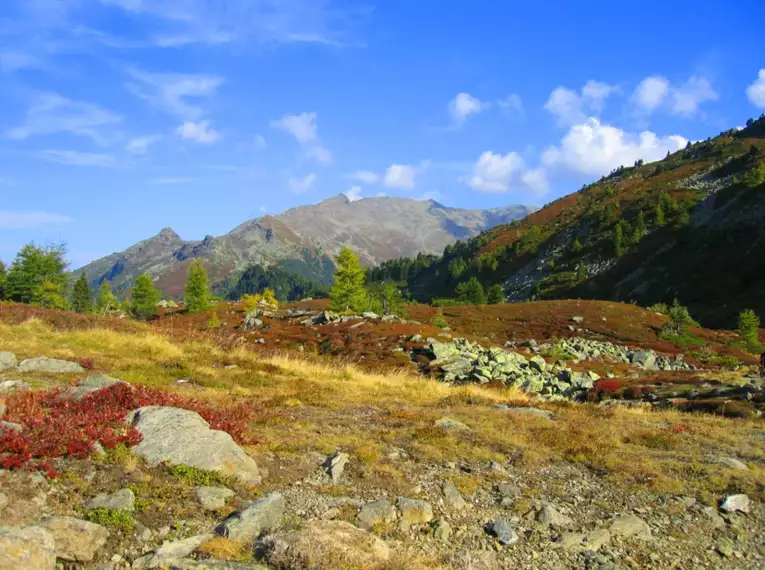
(523, 411)
(123, 500)
(335, 465)
(7, 361)
(13, 386)
(76, 540)
(258, 516)
(182, 437)
(733, 463)
(251, 320)
(450, 424)
(508, 490)
(376, 513)
(53, 365)
(92, 383)
(452, 497)
(630, 525)
(27, 548)
(734, 503)
(645, 359)
(549, 515)
(413, 512)
(321, 545)
(592, 540)
(503, 532)
(213, 498)
(170, 551)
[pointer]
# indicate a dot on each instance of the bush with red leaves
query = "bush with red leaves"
(57, 427)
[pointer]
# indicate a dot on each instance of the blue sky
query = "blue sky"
(120, 117)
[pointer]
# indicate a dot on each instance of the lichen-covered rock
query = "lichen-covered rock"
(7, 361)
(76, 540)
(413, 512)
(630, 525)
(92, 383)
(258, 516)
(182, 437)
(53, 365)
(213, 498)
(123, 500)
(27, 548)
(172, 550)
(376, 513)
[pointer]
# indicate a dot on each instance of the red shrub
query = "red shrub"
(56, 427)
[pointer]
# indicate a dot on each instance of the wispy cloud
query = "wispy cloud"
(305, 130)
(170, 92)
(201, 132)
(140, 145)
(51, 113)
(77, 158)
(16, 220)
(300, 185)
(11, 61)
(366, 176)
(171, 180)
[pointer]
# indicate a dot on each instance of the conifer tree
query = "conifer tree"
(3, 275)
(37, 275)
(106, 300)
(639, 228)
(495, 295)
(659, 215)
(618, 239)
(197, 294)
(82, 296)
(471, 292)
(749, 327)
(144, 297)
(348, 292)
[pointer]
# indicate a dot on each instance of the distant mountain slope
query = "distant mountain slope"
(691, 226)
(302, 240)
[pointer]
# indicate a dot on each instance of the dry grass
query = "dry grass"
(220, 548)
(323, 407)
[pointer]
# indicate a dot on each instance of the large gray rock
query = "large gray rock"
(182, 437)
(733, 463)
(7, 361)
(452, 497)
(170, 551)
(592, 540)
(92, 383)
(213, 498)
(733, 503)
(76, 540)
(53, 365)
(123, 500)
(374, 514)
(451, 424)
(335, 465)
(551, 516)
(413, 512)
(503, 532)
(28, 548)
(630, 525)
(261, 515)
(323, 544)
(645, 359)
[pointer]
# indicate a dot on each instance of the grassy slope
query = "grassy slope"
(716, 272)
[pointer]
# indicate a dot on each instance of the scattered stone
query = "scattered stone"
(376, 513)
(92, 383)
(452, 497)
(521, 411)
(27, 548)
(725, 547)
(123, 500)
(370, 315)
(645, 359)
(734, 503)
(503, 532)
(508, 490)
(251, 320)
(45, 364)
(320, 545)
(630, 525)
(13, 386)
(258, 516)
(413, 512)
(76, 540)
(7, 361)
(588, 541)
(733, 463)
(717, 520)
(182, 437)
(577, 319)
(170, 551)
(549, 515)
(442, 531)
(449, 424)
(213, 498)
(335, 465)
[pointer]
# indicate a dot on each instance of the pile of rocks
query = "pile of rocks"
(460, 360)
(331, 318)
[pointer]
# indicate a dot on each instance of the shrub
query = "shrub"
(195, 477)
(661, 308)
(749, 328)
(679, 321)
(56, 427)
(113, 518)
(214, 322)
(440, 321)
(251, 301)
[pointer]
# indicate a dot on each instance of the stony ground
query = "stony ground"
(362, 470)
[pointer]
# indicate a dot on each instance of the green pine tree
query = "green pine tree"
(749, 327)
(618, 239)
(82, 296)
(348, 292)
(639, 228)
(471, 292)
(38, 276)
(495, 295)
(660, 221)
(576, 247)
(197, 295)
(3, 276)
(106, 300)
(144, 297)
(581, 272)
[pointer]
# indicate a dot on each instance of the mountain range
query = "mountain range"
(303, 240)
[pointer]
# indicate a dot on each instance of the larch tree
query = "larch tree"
(144, 297)
(197, 294)
(348, 292)
(105, 299)
(82, 296)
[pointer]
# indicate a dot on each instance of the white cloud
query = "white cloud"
(353, 193)
(302, 126)
(260, 142)
(51, 113)
(651, 93)
(171, 180)
(14, 220)
(263, 209)
(319, 153)
(756, 91)
(169, 91)
(365, 176)
(464, 105)
(400, 176)
(512, 104)
(684, 100)
(495, 172)
(14, 60)
(300, 185)
(571, 107)
(77, 158)
(200, 132)
(594, 149)
(536, 180)
(140, 145)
